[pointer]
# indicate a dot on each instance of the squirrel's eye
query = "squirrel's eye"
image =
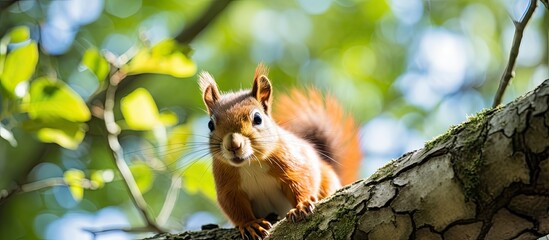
(211, 125)
(257, 118)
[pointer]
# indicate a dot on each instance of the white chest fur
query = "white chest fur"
(263, 190)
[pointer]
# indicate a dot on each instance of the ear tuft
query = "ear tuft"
(261, 69)
(262, 89)
(205, 80)
(209, 90)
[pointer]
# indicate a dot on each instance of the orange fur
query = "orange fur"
(261, 166)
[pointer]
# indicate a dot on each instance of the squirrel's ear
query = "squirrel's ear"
(262, 89)
(208, 87)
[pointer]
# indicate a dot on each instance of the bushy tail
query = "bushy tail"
(322, 122)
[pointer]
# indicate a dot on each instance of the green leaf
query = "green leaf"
(19, 66)
(199, 178)
(93, 61)
(139, 110)
(168, 118)
(167, 57)
(52, 99)
(143, 176)
(19, 34)
(73, 178)
(65, 133)
(176, 144)
(97, 179)
(100, 177)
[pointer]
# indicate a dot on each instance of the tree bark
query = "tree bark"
(487, 178)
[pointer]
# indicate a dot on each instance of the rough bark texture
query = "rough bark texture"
(487, 178)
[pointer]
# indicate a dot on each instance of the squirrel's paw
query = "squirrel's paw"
(301, 211)
(256, 229)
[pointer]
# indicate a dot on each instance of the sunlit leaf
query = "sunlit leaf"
(139, 110)
(168, 118)
(167, 57)
(65, 133)
(97, 179)
(7, 135)
(199, 178)
(19, 66)
(100, 177)
(176, 144)
(53, 99)
(143, 176)
(19, 34)
(74, 177)
(68, 137)
(96, 63)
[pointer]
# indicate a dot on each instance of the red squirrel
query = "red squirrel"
(281, 163)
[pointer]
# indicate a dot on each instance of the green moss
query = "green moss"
(384, 171)
(468, 169)
(472, 122)
(443, 137)
(346, 225)
(467, 157)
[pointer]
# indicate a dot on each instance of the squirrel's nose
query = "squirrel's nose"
(236, 142)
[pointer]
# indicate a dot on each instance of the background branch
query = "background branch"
(113, 131)
(5, 4)
(189, 33)
(96, 232)
(517, 39)
(170, 200)
(38, 185)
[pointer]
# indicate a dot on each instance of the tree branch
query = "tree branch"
(517, 39)
(189, 33)
(113, 131)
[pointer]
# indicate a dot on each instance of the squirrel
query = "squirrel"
(281, 163)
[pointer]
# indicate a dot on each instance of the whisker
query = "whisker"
(321, 153)
(189, 163)
(192, 155)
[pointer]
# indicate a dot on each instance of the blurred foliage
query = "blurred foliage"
(406, 69)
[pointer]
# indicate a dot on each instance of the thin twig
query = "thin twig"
(170, 200)
(113, 131)
(96, 232)
(203, 21)
(52, 182)
(517, 39)
(41, 184)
